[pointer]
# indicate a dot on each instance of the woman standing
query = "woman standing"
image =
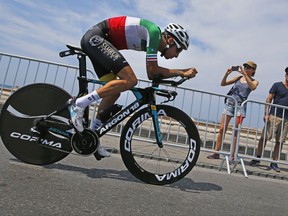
(243, 85)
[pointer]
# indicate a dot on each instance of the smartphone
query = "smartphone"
(235, 68)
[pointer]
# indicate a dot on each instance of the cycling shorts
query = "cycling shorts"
(105, 58)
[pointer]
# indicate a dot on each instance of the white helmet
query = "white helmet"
(179, 34)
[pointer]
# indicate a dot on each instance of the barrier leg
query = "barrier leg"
(243, 167)
(227, 164)
(226, 158)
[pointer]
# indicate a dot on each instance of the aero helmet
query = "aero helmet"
(179, 34)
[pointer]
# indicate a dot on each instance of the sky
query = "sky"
(222, 33)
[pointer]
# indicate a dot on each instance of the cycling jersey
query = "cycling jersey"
(133, 33)
(104, 40)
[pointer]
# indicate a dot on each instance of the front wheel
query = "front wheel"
(142, 155)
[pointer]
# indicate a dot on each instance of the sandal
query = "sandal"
(213, 156)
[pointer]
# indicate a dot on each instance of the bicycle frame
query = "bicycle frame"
(143, 97)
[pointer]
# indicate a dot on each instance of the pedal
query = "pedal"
(97, 156)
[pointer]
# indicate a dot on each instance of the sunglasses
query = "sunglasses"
(247, 67)
(179, 49)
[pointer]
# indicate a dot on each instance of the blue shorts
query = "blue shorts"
(230, 110)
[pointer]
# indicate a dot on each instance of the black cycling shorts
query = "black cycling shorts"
(104, 56)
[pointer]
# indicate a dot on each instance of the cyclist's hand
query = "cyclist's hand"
(191, 72)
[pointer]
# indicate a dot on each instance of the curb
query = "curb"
(216, 167)
(249, 172)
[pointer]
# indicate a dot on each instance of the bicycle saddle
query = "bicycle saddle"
(73, 48)
(72, 51)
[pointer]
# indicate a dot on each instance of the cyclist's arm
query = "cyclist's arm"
(154, 69)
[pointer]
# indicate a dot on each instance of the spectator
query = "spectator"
(273, 119)
(240, 91)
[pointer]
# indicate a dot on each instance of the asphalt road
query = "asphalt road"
(83, 186)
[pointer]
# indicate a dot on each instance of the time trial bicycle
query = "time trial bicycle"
(159, 143)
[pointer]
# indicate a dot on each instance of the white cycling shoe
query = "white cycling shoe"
(103, 152)
(76, 114)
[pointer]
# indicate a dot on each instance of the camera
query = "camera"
(235, 68)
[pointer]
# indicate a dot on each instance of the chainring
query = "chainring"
(85, 143)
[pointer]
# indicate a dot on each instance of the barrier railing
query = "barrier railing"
(247, 146)
(205, 108)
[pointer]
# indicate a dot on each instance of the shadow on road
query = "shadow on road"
(186, 184)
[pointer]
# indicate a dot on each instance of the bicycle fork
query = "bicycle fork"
(154, 116)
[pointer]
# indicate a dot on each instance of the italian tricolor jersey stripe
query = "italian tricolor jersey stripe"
(135, 34)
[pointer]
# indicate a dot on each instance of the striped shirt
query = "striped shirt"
(134, 33)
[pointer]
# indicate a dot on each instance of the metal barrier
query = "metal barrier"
(205, 108)
(248, 141)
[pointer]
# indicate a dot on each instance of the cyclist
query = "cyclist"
(102, 43)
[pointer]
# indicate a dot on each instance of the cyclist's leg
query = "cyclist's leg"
(107, 61)
(115, 87)
(111, 90)
(110, 93)
(96, 123)
(107, 101)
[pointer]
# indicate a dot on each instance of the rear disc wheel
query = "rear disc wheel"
(17, 118)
